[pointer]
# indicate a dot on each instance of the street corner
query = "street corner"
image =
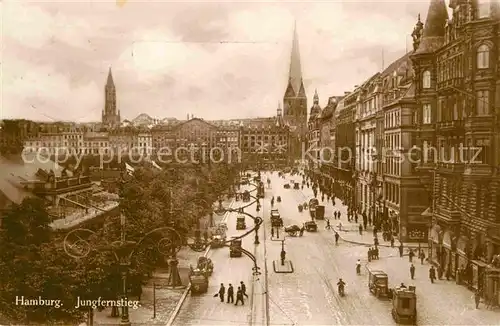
(285, 266)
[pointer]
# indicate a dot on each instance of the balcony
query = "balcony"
(479, 123)
(480, 170)
(447, 215)
(450, 85)
(447, 127)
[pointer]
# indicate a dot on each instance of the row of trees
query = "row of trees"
(33, 262)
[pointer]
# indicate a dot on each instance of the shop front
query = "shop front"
(478, 275)
(492, 293)
(435, 245)
(462, 261)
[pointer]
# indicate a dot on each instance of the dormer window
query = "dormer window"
(483, 9)
(426, 79)
(483, 57)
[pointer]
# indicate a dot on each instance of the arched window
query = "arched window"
(426, 79)
(483, 57)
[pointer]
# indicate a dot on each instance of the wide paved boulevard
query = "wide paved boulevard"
(309, 295)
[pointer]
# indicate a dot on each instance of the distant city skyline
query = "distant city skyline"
(213, 60)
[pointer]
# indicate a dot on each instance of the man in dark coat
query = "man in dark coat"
(243, 289)
(336, 237)
(410, 255)
(222, 291)
(230, 294)
(239, 297)
(400, 249)
(412, 271)
(360, 229)
(432, 274)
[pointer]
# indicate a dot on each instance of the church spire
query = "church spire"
(316, 97)
(110, 82)
(295, 73)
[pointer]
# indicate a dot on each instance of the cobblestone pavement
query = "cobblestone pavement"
(309, 295)
(206, 309)
(166, 299)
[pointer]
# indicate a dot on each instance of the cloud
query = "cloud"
(214, 60)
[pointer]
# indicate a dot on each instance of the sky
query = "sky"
(215, 60)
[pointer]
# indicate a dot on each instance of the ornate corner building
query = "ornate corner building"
(457, 91)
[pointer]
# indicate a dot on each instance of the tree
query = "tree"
(32, 265)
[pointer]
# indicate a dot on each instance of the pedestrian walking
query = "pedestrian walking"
(230, 294)
(410, 255)
(360, 229)
(272, 232)
(432, 274)
(400, 249)
(239, 297)
(243, 289)
(477, 298)
(422, 257)
(375, 252)
(392, 241)
(370, 254)
(412, 271)
(356, 218)
(222, 291)
(327, 225)
(336, 237)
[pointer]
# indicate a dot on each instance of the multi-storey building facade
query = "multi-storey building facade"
(121, 140)
(143, 142)
(458, 96)
(345, 149)
(313, 149)
(197, 140)
(266, 141)
(366, 105)
(95, 143)
(327, 141)
(404, 197)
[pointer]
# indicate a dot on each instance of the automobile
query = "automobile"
(275, 213)
(292, 230)
(311, 226)
(320, 212)
(286, 186)
(296, 186)
(404, 305)
(378, 283)
(313, 202)
(235, 248)
(199, 281)
(240, 223)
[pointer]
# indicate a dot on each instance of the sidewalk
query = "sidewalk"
(166, 299)
(443, 303)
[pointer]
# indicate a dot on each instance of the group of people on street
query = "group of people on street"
(336, 215)
(373, 253)
(240, 293)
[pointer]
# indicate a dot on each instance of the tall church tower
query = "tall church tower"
(110, 116)
(295, 99)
